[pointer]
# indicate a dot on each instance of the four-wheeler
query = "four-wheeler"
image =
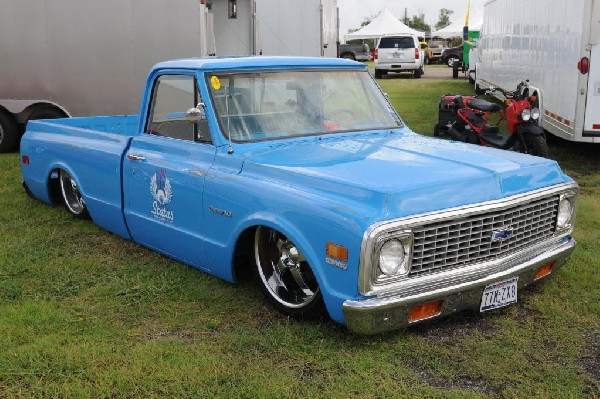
(469, 117)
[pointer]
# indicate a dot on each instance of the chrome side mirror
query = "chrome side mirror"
(195, 115)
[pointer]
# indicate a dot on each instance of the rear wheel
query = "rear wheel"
(285, 276)
(9, 134)
(378, 74)
(418, 73)
(71, 196)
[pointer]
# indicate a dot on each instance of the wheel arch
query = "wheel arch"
(244, 242)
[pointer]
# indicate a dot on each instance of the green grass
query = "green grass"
(84, 313)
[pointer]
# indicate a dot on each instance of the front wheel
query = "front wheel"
(537, 145)
(285, 276)
(71, 196)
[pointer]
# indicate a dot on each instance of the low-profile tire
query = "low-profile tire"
(71, 196)
(378, 74)
(285, 276)
(537, 145)
(9, 133)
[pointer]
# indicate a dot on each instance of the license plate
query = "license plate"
(397, 55)
(499, 294)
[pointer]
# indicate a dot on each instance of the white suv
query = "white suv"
(399, 54)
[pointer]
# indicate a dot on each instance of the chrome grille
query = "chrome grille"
(453, 243)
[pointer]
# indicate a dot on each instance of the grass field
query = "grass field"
(84, 313)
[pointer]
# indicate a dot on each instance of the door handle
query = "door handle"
(136, 157)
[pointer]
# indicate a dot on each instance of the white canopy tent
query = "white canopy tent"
(456, 27)
(385, 24)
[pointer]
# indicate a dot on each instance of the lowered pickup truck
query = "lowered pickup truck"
(301, 169)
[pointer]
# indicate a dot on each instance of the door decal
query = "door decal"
(160, 188)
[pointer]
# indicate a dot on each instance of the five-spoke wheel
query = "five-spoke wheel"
(71, 196)
(285, 276)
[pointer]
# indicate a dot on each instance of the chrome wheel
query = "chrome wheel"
(285, 274)
(71, 195)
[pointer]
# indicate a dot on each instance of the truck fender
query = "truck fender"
(289, 230)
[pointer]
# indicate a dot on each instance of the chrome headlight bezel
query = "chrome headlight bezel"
(406, 238)
(570, 200)
(402, 243)
(526, 114)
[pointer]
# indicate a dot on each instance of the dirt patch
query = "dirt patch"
(590, 362)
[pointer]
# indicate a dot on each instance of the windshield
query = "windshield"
(255, 106)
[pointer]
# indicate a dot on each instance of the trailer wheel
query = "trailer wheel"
(46, 112)
(455, 70)
(9, 134)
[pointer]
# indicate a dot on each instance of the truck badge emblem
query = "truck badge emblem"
(502, 235)
(160, 188)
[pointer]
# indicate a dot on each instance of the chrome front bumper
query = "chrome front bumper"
(390, 312)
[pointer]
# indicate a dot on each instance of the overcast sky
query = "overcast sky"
(353, 12)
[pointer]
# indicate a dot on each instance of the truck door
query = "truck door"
(164, 171)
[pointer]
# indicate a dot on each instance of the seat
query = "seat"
(482, 105)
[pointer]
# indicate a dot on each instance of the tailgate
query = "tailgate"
(397, 49)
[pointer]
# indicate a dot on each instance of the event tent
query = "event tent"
(456, 27)
(385, 24)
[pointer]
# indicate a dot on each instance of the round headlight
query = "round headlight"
(535, 114)
(391, 258)
(526, 115)
(565, 213)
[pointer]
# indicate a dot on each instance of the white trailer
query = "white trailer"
(84, 58)
(554, 44)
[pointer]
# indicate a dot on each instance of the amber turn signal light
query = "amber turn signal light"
(425, 311)
(544, 270)
(336, 251)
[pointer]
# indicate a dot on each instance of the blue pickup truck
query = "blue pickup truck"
(301, 169)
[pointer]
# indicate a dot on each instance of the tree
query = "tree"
(417, 22)
(444, 19)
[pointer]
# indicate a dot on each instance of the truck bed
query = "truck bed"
(91, 149)
(123, 124)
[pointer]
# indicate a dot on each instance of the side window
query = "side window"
(173, 95)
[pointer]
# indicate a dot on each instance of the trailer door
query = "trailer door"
(592, 110)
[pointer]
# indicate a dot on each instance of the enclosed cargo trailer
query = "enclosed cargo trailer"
(84, 58)
(554, 44)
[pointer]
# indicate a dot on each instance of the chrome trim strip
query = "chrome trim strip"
(370, 238)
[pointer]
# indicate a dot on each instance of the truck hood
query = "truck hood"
(400, 173)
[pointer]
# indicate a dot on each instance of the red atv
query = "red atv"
(467, 118)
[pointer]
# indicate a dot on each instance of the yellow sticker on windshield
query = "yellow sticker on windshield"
(216, 83)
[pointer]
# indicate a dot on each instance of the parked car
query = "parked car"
(399, 54)
(358, 52)
(300, 170)
(452, 55)
(436, 47)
